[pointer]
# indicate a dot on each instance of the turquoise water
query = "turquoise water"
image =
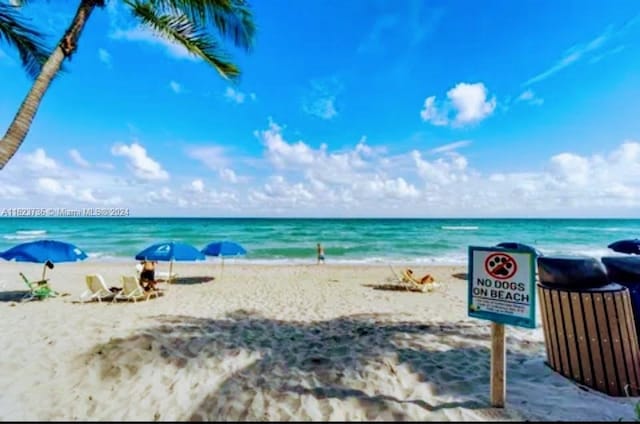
(428, 241)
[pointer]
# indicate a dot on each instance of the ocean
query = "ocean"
(286, 240)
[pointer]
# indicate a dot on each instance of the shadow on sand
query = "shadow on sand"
(393, 287)
(13, 295)
(192, 280)
(282, 360)
(461, 276)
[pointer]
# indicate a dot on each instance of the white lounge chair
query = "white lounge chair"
(132, 290)
(96, 289)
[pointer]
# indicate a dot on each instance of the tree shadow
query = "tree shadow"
(192, 280)
(461, 276)
(280, 362)
(392, 287)
(13, 295)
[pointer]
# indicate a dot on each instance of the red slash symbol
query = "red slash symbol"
(500, 266)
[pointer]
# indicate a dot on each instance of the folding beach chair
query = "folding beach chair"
(38, 289)
(96, 289)
(132, 290)
(409, 282)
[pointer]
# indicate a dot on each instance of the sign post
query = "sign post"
(501, 290)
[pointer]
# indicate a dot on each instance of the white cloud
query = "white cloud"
(594, 49)
(321, 99)
(471, 103)
(143, 166)
(39, 160)
(104, 57)
(228, 175)
(234, 95)
(451, 146)
(53, 188)
(213, 157)
(468, 102)
(197, 186)
(175, 87)
(598, 58)
(528, 96)
(430, 113)
(295, 178)
(78, 159)
(10, 192)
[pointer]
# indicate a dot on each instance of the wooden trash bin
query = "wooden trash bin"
(590, 336)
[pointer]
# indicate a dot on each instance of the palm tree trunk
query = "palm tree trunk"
(21, 123)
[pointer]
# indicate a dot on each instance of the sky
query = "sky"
(359, 108)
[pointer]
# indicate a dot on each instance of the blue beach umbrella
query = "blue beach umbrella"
(170, 251)
(630, 246)
(222, 249)
(47, 252)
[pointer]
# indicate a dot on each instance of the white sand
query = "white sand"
(264, 342)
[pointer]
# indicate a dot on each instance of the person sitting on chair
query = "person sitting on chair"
(147, 275)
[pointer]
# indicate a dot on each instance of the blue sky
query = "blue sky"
(357, 108)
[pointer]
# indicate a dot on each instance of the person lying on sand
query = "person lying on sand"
(427, 279)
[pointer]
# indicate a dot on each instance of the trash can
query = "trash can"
(625, 270)
(520, 246)
(589, 330)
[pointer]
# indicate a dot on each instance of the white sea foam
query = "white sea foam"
(31, 232)
(20, 236)
(459, 227)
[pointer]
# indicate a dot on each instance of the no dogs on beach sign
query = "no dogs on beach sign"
(502, 286)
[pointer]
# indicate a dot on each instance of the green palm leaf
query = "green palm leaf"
(28, 41)
(232, 18)
(179, 28)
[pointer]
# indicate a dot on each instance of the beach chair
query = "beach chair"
(96, 289)
(409, 282)
(38, 289)
(426, 283)
(132, 290)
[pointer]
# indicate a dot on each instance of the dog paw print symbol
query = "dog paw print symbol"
(500, 266)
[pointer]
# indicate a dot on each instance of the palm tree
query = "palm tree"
(184, 22)
(28, 41)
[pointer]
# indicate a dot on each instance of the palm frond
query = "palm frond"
(28, 41)
(232, 18)
(181, 30)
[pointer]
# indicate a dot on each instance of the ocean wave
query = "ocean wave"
(20, 236)
(580, 251)
(31, 232)
(459, 227)
(630, 230)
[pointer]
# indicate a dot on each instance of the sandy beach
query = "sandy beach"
(270, 342)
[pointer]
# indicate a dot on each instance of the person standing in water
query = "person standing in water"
(320, 253)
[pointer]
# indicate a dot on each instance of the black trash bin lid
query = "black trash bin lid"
(572, 271)
(519, 246)
(623, 269)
